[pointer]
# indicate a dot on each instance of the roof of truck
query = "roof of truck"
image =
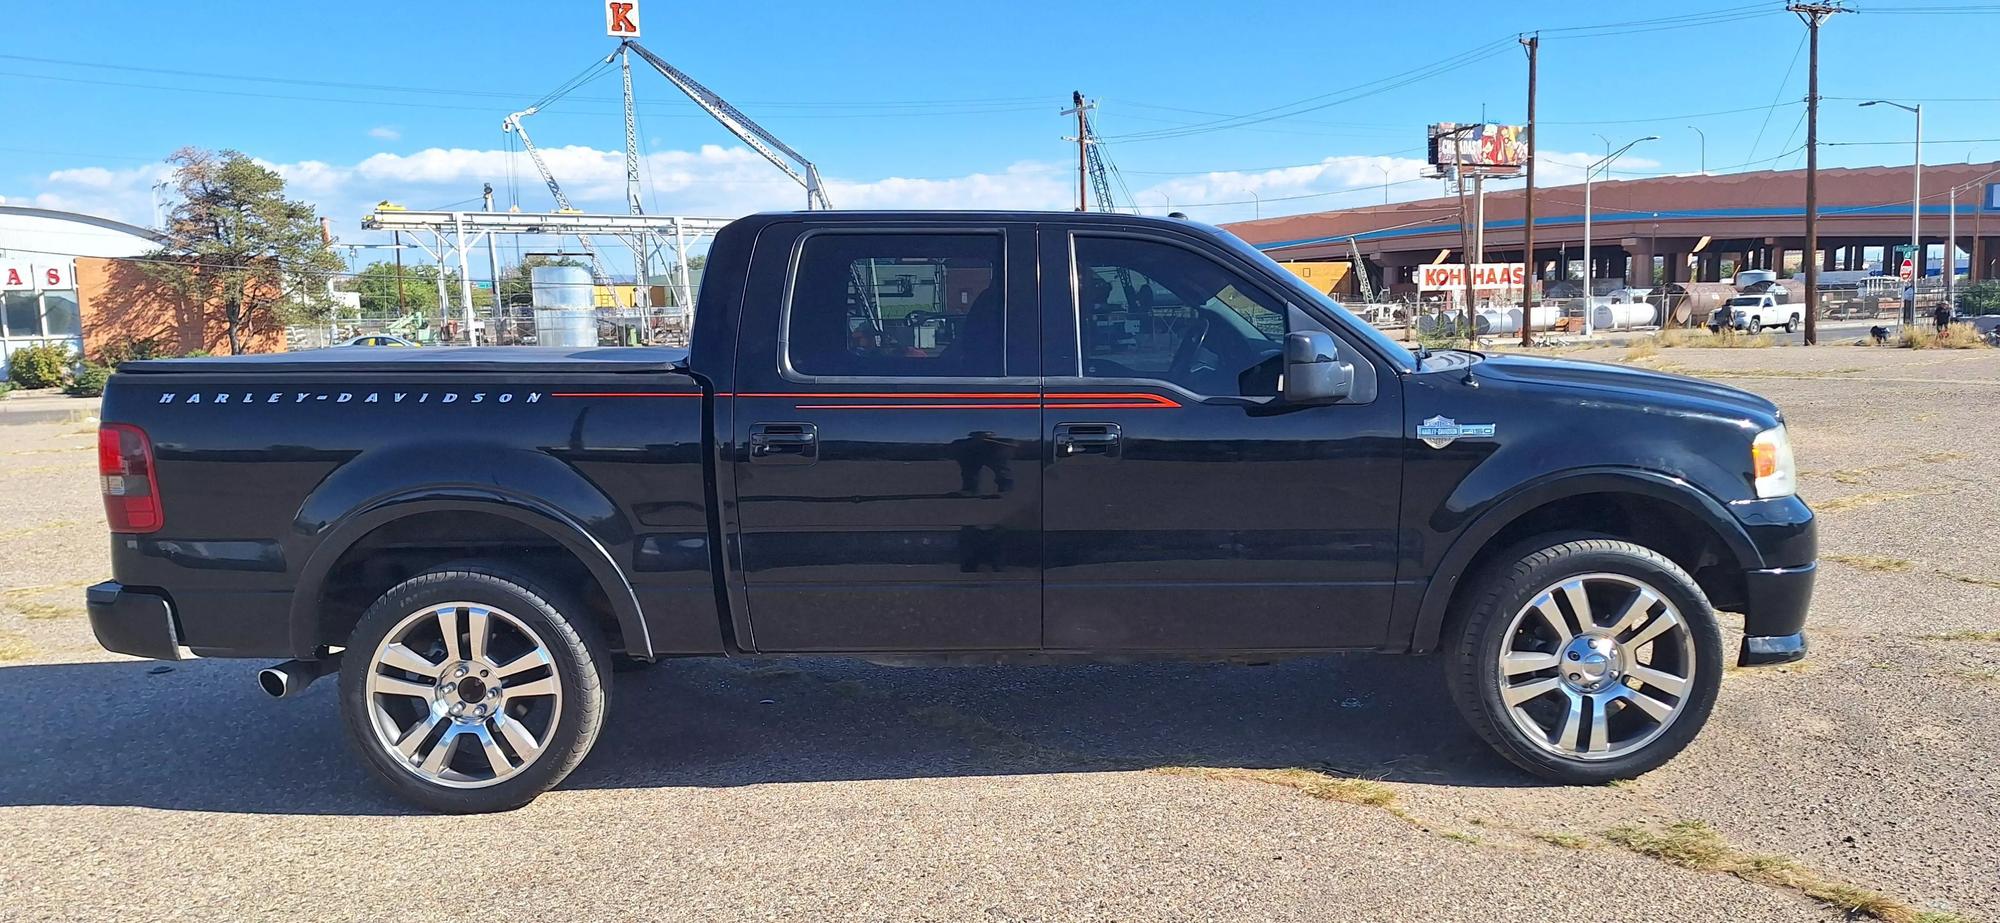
(525, 359)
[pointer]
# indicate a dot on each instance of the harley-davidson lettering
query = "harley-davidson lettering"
(352, 397)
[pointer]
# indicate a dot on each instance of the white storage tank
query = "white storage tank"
(562, 297)
(1615, 316)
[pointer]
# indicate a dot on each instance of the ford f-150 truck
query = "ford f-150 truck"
(950, 437)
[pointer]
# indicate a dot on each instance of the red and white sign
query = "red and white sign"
(1909, 269)
(1485, 276)
(34, 277)
(621, 18)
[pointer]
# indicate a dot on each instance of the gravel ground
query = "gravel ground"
(833, 789)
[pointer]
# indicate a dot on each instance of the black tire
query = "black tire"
(1792, 324)
(579, 660)
(1508, 586)
(1756, 324)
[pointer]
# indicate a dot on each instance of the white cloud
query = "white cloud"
(385, 132)
(729, 181)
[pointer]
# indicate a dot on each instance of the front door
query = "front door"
(1187, 507)
(886, 441)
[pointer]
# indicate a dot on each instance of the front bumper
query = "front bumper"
(1774, 618)
(133, 622)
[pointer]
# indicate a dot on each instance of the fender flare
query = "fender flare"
(1528, 497)
(558, 526)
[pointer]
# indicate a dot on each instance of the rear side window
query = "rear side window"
(898, 306)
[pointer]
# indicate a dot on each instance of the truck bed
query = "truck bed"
(500, 359)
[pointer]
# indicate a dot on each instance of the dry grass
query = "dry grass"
(14, 647)
(1980, 675)
(1316, 784)
(1694, 338)
(42, 610)
(1695, 845)
(1872, 498)
(1956, 336)
(1973, 579)
(1869, 562)
(1963, 634)
(1564, 840)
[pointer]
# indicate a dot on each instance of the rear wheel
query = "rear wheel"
(1792, 324)
(1587, 661)
(469, 689)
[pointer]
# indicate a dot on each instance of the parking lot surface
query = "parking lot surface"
(834, 789)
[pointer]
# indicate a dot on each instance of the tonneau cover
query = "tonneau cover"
(504, 359)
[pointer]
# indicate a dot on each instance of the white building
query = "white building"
(39, 300)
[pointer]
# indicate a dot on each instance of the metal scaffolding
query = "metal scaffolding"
(456, 233)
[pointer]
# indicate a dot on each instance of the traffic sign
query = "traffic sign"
(1909, 269)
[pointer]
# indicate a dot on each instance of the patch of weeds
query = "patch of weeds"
(1564, 840)
(1693, 844)
(1956, 336)
(1461, 836)
(1860, 501)
(1622, 783)
(1643, 349)
(1364, 792)
(1872, 562)
(42, 610)
(15, 647)
(1973, 579)
(1963, 634)
(1881, 665)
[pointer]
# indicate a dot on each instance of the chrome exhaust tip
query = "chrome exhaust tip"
(293, 676)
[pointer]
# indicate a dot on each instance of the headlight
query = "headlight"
(1771, 464)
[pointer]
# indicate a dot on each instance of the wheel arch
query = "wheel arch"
(1613, 500)
(558, 527)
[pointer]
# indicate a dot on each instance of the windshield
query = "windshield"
(1377, 338)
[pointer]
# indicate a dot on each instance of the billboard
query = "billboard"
(621, 18)
(1450, 277)
(1498, 148)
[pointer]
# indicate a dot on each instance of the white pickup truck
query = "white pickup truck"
(1753, 313)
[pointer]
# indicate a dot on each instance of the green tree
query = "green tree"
(238, 249)
(515, 282)
(1980, 298)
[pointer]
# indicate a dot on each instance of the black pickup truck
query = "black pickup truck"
(950, 437)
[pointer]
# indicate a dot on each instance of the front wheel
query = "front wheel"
(471, 689)
(1587, 661)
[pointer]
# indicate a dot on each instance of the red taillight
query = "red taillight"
(125, 468)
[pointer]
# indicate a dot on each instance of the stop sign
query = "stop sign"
(1909, 269)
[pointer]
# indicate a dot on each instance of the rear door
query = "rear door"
(1188, 508)
(887, 439)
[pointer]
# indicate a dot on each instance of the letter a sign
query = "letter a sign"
(621, 18)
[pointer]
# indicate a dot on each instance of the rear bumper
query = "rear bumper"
(132, 622)
(1774, 618)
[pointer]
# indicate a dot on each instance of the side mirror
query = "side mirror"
(1314, 373)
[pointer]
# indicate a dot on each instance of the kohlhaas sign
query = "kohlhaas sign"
(621, 18)
(1450, 277)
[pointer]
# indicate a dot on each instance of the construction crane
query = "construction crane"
(1093, 154)
(1361, 272)
(743, 127)
(513, 124)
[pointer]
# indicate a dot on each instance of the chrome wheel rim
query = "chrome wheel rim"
(463, 695)
(1596, 667)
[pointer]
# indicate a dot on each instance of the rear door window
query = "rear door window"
(896, 305)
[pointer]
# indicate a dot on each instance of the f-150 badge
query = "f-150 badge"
(1440, 431)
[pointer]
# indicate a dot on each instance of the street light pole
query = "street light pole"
(1385, 183)
(1257, 206)
(1589, 293)
(1918, 262)
(1704, 149)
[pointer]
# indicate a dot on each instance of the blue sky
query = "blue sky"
(951, 104)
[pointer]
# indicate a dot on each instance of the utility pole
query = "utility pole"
(1082, 150)
(402, 303)
(493, 262)
(1812, 14)
(1465, 252)
(1529, 263)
